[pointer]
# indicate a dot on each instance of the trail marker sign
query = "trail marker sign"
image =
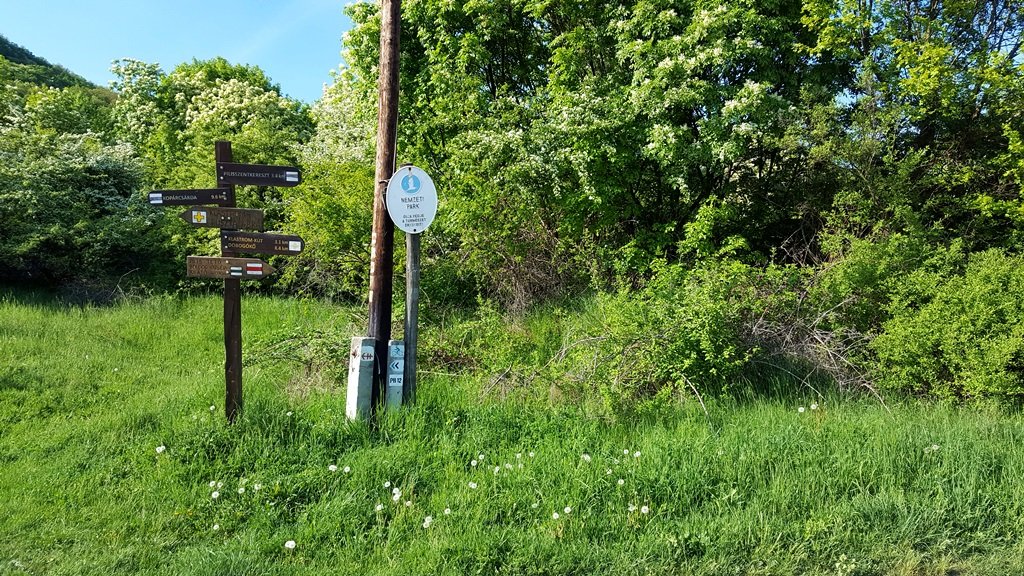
(218, 196)
(411, 199)
(258, 174)
(221, 267)
(260, 243)
(215, 217)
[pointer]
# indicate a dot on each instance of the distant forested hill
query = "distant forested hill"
(20, 66)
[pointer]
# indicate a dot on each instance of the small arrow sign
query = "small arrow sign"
(233, 218)
(259, 243)
(219, 267)
(258, 174)
(395, 366)
(218, 196)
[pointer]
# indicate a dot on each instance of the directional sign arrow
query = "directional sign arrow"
(219, 267)
(258, 243)
(395, 366)
(233, 218)
(258, 174)
(218, 196)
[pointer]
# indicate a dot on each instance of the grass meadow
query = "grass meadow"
(115, 458)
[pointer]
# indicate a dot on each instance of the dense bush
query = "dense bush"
(959, 336)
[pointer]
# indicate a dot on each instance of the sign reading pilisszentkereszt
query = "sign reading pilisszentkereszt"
(258, 174)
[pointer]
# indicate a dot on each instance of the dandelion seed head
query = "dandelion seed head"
(568, 509)
(535, 505)
(288, 413)
(644, 509)
(519, 455)
(608, 472)
(508, 466)
(160, 449)
(213, 483)
(472, 485)
(332, 468)
(632, 507)
(800, 409)
(241, 489)
(814, 406)
(220, 485)
(480, 457)
(636, 454)
(472, 463)
(532, 454)
(215, 495)
(497, 469)
(387, 484)
(621, 481)
(378, 507)
(554, 515)
(396, 497)
(447, 511)
(216, 527)
(290, 544)
(256, 487)
(586, 457)
(408, 503)
(346, 469)
(212, 407)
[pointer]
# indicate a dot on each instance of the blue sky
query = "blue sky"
(296, 42)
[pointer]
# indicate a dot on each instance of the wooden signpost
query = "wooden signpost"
(229, 266)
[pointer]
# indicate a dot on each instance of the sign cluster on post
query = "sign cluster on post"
(411, 202)
(229, 266)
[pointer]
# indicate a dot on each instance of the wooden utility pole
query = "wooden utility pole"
(382, 246)
(232, 314)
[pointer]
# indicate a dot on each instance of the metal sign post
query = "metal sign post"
(412, 205)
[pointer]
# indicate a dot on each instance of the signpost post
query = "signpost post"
(412, 205)
(229, 266)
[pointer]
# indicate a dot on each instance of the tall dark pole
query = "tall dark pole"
(382, 247)
(232, 316)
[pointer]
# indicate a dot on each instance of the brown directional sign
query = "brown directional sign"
(217, 196)
(260, 243)
(233, 218)
(220, 267)
(257, 174)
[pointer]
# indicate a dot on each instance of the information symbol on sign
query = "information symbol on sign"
(411, 184)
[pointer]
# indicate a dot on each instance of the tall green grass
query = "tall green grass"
(753, 486)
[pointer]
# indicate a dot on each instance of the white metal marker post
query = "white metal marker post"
(412, 205)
